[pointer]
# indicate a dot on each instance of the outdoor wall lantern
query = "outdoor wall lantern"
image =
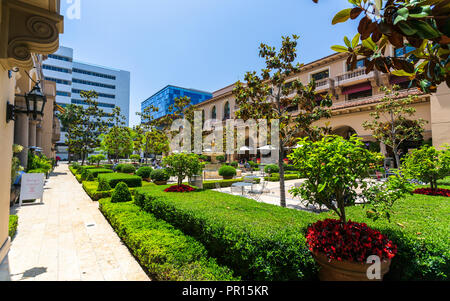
(35, 102)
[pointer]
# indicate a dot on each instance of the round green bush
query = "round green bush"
(253, 164)
(227, 171)
(159, 175)
(103, 185)
(234, 164)
(221, 158)
(144, 172)
(128, 168)
(272, 168)
(119, 167)
(121, 194)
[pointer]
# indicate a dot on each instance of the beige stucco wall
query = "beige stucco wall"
(47, 122)
(6, 134)
(440, 112)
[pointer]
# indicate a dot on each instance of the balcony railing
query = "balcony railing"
(352, 75)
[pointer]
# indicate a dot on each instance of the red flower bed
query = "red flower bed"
(353, 242)
(181, 188)
(429, 191)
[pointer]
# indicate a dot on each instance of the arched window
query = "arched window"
(203, 117)
(214, 113)
(226, 111)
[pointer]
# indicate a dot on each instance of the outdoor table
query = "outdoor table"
(242, 185)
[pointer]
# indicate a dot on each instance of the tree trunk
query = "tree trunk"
(282, 184)
(397, 157)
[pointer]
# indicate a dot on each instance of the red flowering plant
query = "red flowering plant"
(180, 188)
(334, 169)
(350, 241)
(433, 192)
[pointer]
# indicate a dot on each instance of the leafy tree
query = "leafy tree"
(272, 94)
(422, 24)
(98, 158)
(428, 164)
(87, 126)
(182, 166)
(333, 168)
(69, 120)
(117, 142)
(135, 158)
(392, 122)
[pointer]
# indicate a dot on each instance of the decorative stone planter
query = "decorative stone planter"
(196, 181)
(346, 270)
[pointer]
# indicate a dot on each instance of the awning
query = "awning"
(357, 88)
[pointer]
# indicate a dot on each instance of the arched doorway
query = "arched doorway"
(344, 131)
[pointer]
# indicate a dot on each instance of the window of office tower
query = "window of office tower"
(320, 75)
(402, 51)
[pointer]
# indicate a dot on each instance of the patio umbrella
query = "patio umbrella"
(267, 148)
(245, 149)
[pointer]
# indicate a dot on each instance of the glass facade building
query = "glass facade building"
(166, 97)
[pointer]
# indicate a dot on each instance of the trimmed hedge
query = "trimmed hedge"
(115, 178)
(165, 252)
(121, 194)
(96, 171)
(91, 188)
(276, 177)
(144, 172)
(223, 183)
(265, 242)
(128, 168)
(258, 241)
(13, 223)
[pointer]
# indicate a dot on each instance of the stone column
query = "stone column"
(39, 133)
(32, 133)
(440, 116)
(21, 136)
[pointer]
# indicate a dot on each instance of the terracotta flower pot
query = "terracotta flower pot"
(346, 270)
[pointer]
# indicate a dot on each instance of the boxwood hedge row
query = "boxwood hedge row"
(258, 241)
(115, 178)
(165, 252)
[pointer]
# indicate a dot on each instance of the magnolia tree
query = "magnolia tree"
(182, 166)
(393, 121)
(428, 165)
(272, 95)
(334, 168)
(117, 142)
(421, 24)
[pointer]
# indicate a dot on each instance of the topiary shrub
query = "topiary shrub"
(159, 176)
(272, 168)
(128, 168)
(221, 158)
(234, 164)
(144, 172)
(227, 172)
(103, 185)
(121, 194)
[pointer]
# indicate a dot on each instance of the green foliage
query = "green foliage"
(159, 175)
(394, 122)
(223, 183)
(420, 24)
(221, 158)
(38, 162)
(235, 164)
(428, 164)
(381, 197)
(121, 194)
(128, 168)
(270, 96)
(39, 170)
(276, 177)
(165, 252)
(271, 168)
(257, 240)
(333, 168)
(97, 159)
(182, 166)
(13, 224)
(144, 172)
(227, 171)
(96, 171)
(115, 178)
(135, 158)
(204, 158)
(15, 162)
(103, 185)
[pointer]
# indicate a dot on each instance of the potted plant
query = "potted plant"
(159, 177)
(227, 172)
(333, 168)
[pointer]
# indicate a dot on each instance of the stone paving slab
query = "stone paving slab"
(67, 239)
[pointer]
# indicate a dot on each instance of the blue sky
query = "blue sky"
(201, 44)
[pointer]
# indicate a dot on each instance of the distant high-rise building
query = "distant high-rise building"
(166, 97)
(72, 77)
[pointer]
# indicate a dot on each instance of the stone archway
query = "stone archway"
(344, 131)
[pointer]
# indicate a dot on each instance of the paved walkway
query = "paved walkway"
(67, 239)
